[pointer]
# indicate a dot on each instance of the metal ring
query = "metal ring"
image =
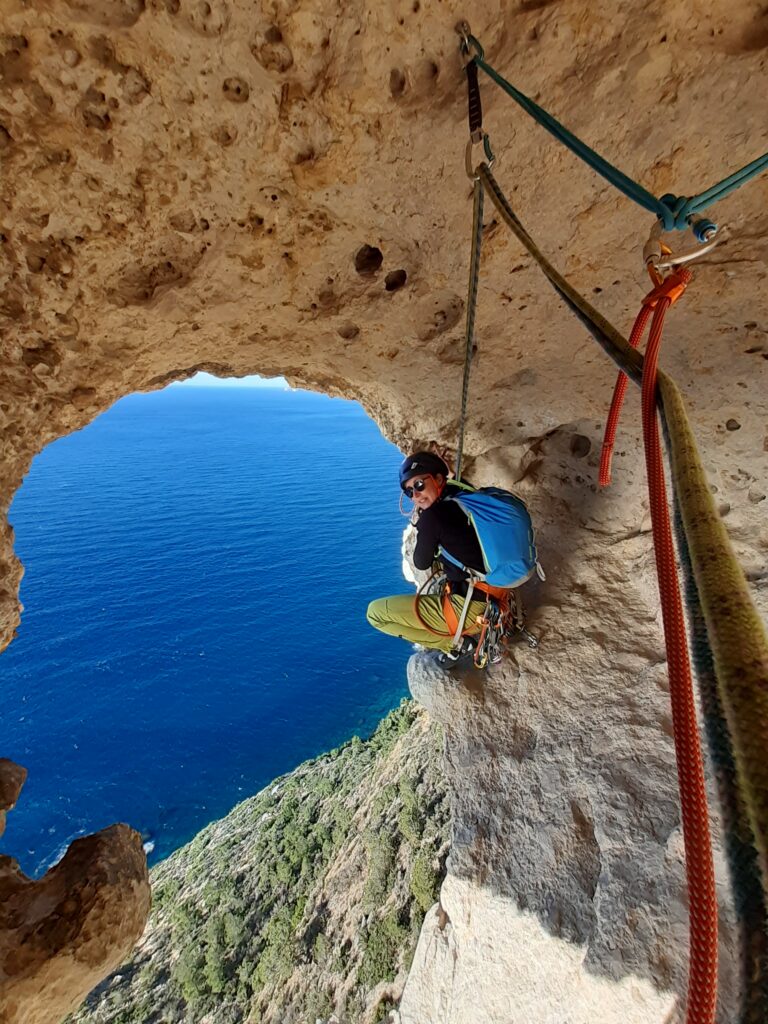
(465, 33)
(655, 256)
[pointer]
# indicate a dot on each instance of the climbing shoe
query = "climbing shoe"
(461, 657)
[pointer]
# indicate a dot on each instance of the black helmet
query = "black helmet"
(422, 462)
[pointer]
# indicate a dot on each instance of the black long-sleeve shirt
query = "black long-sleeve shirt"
(444, 524)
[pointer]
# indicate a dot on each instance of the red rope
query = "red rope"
(702, 980)
(671, 288)
(619, 391)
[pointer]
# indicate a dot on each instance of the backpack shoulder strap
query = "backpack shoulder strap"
(473, 573)
(460, 484)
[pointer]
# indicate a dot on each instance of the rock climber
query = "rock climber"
(424, 477)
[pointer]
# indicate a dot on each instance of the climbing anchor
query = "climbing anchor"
(657, 256)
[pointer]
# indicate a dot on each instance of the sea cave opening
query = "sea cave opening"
(198, 561)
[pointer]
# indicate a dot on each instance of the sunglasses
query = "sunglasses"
(418, 485)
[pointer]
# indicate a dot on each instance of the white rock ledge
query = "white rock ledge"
(490, 963)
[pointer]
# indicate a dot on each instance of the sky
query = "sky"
(207, 380)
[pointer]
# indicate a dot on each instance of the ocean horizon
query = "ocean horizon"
(198, 563)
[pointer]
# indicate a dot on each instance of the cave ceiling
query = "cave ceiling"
(279, 188)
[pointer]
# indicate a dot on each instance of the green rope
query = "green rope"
(735, 630)
(749, 900)
(469, 331)
(674, 212)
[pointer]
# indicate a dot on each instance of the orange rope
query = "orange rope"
(702, 980)
(619, 391)
(671, 288)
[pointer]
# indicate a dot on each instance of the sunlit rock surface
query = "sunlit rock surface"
(12, 779)
(281, 189)
(61, 934)
(475, 936)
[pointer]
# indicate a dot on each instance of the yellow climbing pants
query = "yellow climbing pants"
(397, 617)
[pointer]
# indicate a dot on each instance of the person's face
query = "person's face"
(423, 489)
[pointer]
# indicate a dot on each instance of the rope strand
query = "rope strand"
(619, 391)
(734, 628)
(702, 979)
(469, 331)
(674, 212)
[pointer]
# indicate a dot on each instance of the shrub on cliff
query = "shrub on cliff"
(301, 900)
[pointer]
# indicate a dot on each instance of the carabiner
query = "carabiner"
(473, 173)
(465, 34)
(468, 43)
(658, 257)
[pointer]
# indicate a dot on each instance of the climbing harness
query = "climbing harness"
(500, 623)
(731, 647)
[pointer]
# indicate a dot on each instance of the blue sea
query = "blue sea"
(198, 563)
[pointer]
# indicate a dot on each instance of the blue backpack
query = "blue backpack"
(505, 534)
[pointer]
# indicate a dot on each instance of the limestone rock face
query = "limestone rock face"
(504, 965)
(280, 188)
(12, 779)
(566, 871)
(61, 934)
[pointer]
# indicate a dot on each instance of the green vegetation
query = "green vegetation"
(322, 880)
(380, 849)
(425, 881)
(382, 948)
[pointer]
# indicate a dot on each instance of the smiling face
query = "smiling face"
(424, 489)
